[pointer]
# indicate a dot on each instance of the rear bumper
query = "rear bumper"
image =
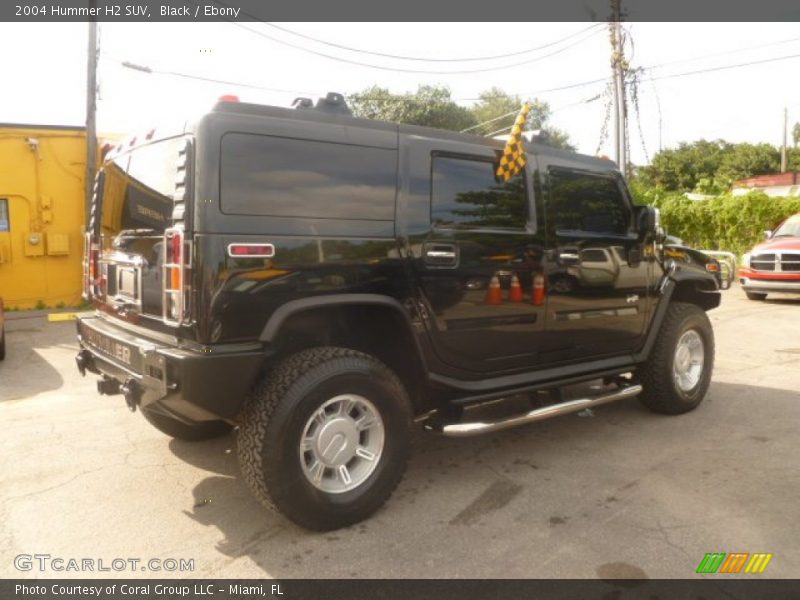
(188, 383)
(770, 285)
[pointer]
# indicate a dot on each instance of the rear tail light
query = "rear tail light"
(176, 277)
(91, 243)
(91, 267)
(86, 271)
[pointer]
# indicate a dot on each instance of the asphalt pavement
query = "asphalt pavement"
(622, 493)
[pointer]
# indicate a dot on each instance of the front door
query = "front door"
(597, 274)
(476, 259)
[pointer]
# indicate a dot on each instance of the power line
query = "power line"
(150, 70)
(537, 92)
(555, 110)
(402, 70)
(724, 53)
(529, 94)
(726, 67)
(395, 69)
(508, 114)
(421, 59)
(669, 76)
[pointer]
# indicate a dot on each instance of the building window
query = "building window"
(4, 221)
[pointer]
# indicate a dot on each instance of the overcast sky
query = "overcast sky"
(44, 70)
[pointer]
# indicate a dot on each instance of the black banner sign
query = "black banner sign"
(405, 10)
(389, 589)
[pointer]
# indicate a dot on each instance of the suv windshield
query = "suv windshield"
(790, 228)
(138, 190)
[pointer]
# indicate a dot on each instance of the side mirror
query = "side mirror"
(767, 234)
(648, 222)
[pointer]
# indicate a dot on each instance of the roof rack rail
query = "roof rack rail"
(332, 103)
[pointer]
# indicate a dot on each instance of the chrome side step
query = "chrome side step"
(539, 414)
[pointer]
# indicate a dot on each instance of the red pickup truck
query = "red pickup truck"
(774, 265)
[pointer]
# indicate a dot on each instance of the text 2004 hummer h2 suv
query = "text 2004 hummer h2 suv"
(322, 282)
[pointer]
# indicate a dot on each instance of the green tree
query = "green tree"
(494, 103)
(682, 168)
(431, 106)
(796, 134)
(747, 160)
(793, 159)
(708, 167)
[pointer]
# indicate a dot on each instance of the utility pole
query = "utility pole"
(91, 113)
(617, 65)
(784, 155)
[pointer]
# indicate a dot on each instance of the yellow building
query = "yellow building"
(42, 173)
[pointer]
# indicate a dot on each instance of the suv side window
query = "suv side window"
(466, 195)
(581, 201)
(286, 177)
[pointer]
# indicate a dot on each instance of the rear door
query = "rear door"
(479, 233)
(597, 278)
(137, 206)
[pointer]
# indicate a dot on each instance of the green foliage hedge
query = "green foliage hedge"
(734, 224)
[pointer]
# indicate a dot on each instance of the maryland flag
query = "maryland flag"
(513, 159)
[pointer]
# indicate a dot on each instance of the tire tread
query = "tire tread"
(659, 394)
(253, 442)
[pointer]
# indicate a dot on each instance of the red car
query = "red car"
(774, 265)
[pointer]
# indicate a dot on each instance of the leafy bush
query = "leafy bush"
(731, 223)
(711, 167)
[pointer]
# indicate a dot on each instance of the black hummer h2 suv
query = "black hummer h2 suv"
(322, 282)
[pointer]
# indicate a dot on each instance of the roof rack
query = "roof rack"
(332, 103)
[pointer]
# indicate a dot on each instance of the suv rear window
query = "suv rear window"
(285, 177)
(139, 188)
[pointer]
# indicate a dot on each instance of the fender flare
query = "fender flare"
(273, 327)
(676, 275)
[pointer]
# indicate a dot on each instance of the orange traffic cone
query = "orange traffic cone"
(537, 297)
(515, 291)
(494, 295)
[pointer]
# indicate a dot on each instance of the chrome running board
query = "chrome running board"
(564, 408)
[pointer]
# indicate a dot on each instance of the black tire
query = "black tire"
(204, 430)
(2, 345)
(661, 393)
(276, 415)
(755, 295)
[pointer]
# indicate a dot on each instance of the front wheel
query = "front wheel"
(325, 438)
(677, 374)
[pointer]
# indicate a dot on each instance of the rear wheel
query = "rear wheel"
(197, 432)
(755, 295)
(677, 374)
(325, 438)
(2, 344)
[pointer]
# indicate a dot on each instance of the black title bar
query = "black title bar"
(710, 588)
(396, 10)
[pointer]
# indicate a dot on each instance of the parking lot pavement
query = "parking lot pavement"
(623, 493)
